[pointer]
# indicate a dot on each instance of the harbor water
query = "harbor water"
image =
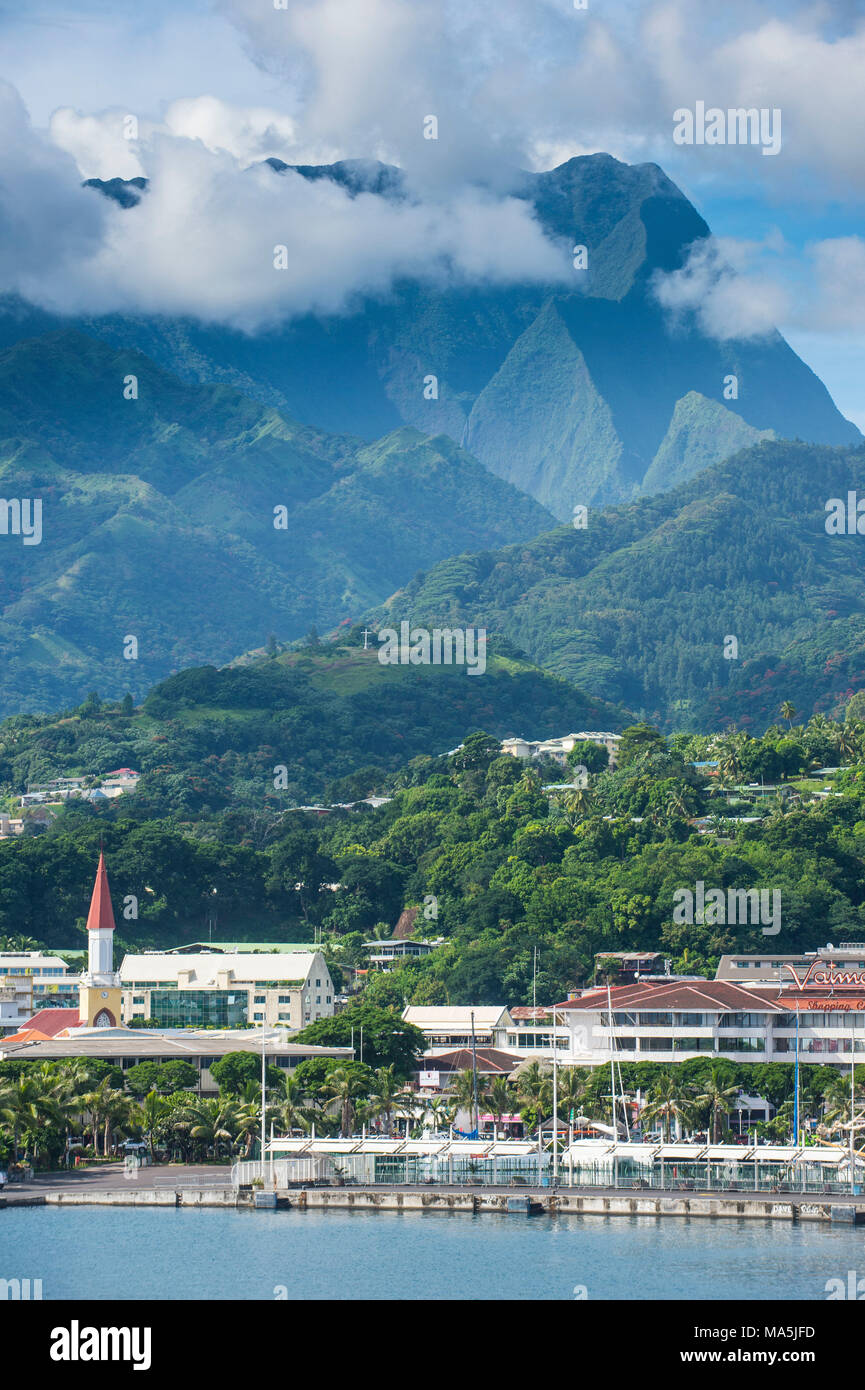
(180, 1254)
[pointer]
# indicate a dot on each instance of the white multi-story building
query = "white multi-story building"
(559, 748)
(49, 975)
(819, 1012)
(285, 989)
(531, 1032)
(16, 1002)
(450, 1026)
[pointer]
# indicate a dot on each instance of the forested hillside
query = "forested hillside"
(637, 606)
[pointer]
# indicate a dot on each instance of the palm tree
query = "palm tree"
(383, 1098)
(846, 742)
(28, 1103)
(535, 1088)
(719, 1099)
(787, 712)
(729, 762)
(206, 1121)
(103, 1106)
(155, 1110)
(572, 1089)
(244, 1120)
(462, 1091)
(119, 1115)
(667, 1101)
(344, 1086)
(837, 1107)
(674, 804)
(292, 1112)
(576, 804)
(411, 1109)
(498, 1099)
(441, 1111)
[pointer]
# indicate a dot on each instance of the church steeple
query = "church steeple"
(101, 914)
(99, 992)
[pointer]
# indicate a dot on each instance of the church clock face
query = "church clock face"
(105, 994)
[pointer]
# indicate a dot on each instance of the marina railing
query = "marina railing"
(682, 1168)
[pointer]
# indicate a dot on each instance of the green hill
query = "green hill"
(159, 520)
(637, 606)
(206, 739)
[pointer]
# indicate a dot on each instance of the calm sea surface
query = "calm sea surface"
(123, 1252)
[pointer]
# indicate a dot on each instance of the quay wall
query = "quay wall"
(585, 1204)
(145, 1197)
(537, 1202)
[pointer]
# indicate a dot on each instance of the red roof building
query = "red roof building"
(45, 1025)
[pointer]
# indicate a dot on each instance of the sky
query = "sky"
(215, 86)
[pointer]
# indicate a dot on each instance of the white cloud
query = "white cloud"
(201, 241)
(727, 289)
(249, 133)
(744, 289)
(48, 225)
(839, 285)
(513, 79)
(97, 143)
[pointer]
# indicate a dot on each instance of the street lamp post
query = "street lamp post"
(263, 1094)
(475, 1080)
(555, 1105)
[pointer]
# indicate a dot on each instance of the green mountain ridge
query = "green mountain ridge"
(569, 392)
(638, 605)
(158, 520)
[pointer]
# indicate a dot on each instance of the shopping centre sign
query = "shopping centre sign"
(820, 976)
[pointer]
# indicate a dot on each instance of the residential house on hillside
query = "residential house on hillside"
(558, 748)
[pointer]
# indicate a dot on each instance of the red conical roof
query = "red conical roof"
(101, 914)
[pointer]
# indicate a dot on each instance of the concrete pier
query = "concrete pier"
(571, 1202)
(148, 1197)
(205, 1186)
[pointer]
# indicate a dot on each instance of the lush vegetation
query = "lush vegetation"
(505, 873)
(198, 521)
(639, 605)
(323, 722)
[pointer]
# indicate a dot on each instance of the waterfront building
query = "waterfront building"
(448, 1026)
(593, 1162)
(126, 1047)
(437, 1071)
(818, 1013)
(286, 989)
(765, 968)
